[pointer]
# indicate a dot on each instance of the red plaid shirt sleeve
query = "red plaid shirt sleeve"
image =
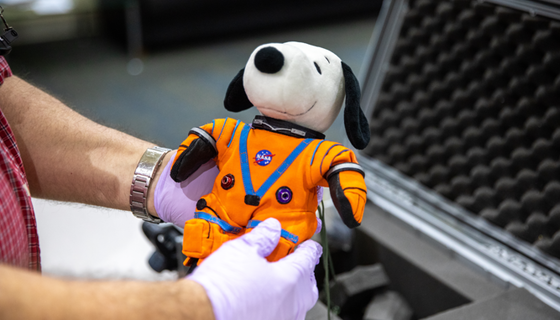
(19, 243)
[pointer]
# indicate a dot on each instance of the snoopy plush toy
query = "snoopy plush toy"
(276, 166)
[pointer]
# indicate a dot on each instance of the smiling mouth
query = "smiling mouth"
(290, 114)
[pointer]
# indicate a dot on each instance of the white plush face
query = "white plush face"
(298, 92)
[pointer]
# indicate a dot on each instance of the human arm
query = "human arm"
(67, 156)
(28, 295)
(235, 283)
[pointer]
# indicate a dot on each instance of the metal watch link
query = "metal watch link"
(145, 171)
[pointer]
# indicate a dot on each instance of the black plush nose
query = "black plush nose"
(269, 60)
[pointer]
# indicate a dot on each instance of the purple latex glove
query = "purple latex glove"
(319, 226)
(242, 284)
(176, 202)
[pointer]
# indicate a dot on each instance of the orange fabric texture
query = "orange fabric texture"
(354, 187)
(302, 178)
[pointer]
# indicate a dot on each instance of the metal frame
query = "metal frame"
(379, 51)
(532, 7)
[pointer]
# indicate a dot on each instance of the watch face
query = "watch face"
(148, 162)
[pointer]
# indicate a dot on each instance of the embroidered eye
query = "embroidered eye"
(228, 181)
(327, 60)
(317, 67)
(284, 195)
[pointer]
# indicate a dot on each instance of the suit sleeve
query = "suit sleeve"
(202, 144)
(197, 149)
(348, 192)
(338, 168)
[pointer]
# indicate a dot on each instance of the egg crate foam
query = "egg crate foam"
(470, 108)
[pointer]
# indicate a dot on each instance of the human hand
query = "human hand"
(242, 284)
(176, 202)
(319, 226)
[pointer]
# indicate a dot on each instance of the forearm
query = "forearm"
(67, 156)
(27, 295)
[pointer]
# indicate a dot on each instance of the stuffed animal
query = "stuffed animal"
(276, 166)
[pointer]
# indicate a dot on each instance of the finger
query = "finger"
(314, 295)
(264, 237)
(303, 262)
(306, 256)
(319, 226)
(315, 290)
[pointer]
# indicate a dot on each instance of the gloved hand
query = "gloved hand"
(242, 284)
(176, 202)
(319, 226)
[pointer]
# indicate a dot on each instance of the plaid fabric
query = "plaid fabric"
(19, 243)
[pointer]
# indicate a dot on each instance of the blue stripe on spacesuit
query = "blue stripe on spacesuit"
(284, 234)
(222, 129)
(233, 134)
(325, 155)
(314, 151)
(244, 158)
(210, 218)
(246, 172)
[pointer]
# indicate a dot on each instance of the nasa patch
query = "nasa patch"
(263, 157)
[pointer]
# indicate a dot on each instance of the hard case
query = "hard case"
(463, 169)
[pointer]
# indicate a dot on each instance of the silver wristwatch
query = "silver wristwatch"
(145, 171)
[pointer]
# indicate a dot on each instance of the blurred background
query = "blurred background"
(155, 69)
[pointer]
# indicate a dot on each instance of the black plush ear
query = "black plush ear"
(236, 99)
(355, 122)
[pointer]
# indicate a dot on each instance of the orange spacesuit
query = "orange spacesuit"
(269, 169)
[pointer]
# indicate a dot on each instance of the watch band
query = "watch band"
(147, 167)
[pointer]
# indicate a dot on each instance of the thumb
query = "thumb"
(306, 255)
(264, 237)
(300, 265)
(319, 226)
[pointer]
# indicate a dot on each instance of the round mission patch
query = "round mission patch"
(263, 157)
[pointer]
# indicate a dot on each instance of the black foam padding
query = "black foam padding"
(470, 107)
(319, 312)
(352, 291)
(514, 304)
(389, 305)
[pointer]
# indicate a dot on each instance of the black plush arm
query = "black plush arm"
(348, 192)
(194, 155)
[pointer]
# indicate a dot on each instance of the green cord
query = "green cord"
(327, 260)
